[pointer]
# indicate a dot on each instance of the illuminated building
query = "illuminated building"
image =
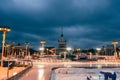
(62, 44)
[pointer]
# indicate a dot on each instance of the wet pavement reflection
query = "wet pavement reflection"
(38, 72)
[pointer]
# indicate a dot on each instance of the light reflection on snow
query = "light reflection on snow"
(40, 66)
(40, 74)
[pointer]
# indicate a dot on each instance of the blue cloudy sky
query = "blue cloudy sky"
(86, 23)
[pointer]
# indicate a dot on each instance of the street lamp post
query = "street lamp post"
(47, 51)
(42, 46)
(78, 53)
(27, 44)
(115, 52)
(90, 55)
(78, 50)
(5, 30)
(105, 51)
(98, 51)
(68, 49)
(41, 50)
(65, 55)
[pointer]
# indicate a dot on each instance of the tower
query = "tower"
(61, 43)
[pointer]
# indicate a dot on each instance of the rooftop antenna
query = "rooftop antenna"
(61, 31)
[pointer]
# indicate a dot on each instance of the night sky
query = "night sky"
(86, 23)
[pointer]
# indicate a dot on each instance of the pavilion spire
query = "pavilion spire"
(61, 31)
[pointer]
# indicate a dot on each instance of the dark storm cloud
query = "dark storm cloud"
(92, 22)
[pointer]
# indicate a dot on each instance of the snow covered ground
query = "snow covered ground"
(81, 73)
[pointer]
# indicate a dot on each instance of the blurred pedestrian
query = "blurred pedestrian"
(88, 78)
(114, 76)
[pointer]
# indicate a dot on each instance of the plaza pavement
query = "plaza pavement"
(35, 72)
(4, 71)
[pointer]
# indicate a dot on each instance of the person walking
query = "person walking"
(114, 76)
(88, 78)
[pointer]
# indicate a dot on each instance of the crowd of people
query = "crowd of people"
(107, 76)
